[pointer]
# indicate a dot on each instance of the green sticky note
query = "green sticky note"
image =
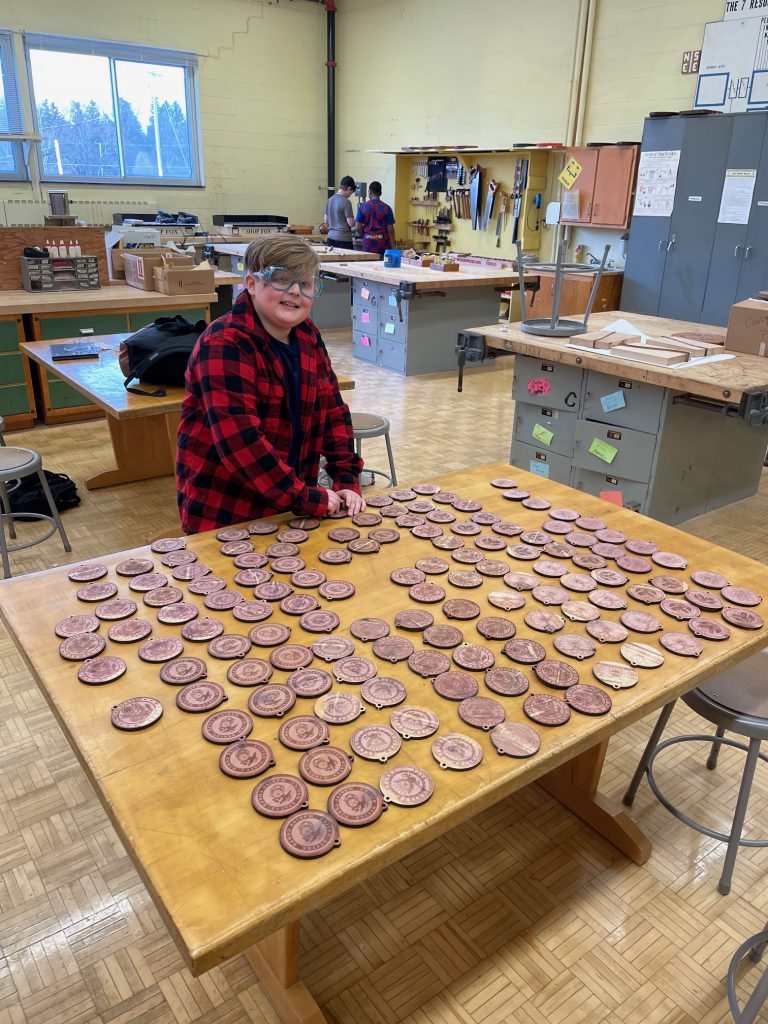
(602, 450)
(542, 434)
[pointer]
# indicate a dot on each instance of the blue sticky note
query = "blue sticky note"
(613, 401)
(393, 300)
(540, 468)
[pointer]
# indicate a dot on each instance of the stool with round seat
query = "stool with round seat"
(15, 465)
(736, 700)
(755, 947)
(367, 424)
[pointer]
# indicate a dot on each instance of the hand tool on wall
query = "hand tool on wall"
(475, 174)
(521, 180)
(502, 217)
(493, 186)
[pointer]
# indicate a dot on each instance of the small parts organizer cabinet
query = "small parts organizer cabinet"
(17, 404)
(669, 456)
(57, 402)
(418, 336)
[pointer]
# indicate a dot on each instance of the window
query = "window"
(110, 112)
(11, 158)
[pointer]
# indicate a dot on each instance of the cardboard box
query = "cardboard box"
(139, 266)
(120, 238)
(171, 281)
(748, 328)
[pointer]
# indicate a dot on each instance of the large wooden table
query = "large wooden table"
(143, 429)
(214, 867)
(327, 253)
(97, 300)
(689, 440)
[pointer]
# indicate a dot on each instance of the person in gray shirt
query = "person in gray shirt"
(339, 216)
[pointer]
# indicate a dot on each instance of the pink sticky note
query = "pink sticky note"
(615, 497)
(365, 340)
(365, 293)
(365, 316)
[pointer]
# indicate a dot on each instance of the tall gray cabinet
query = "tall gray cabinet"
(687, 266)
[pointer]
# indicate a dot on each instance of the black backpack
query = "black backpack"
(159, 353)
(28, 497)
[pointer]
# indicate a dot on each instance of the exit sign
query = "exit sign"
(690, 62)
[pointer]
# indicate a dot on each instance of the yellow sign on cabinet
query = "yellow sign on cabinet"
(567, 177)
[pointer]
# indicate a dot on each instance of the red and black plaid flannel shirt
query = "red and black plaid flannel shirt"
(235, 430)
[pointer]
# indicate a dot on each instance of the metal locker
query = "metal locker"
(364, 293)
(634, 450)
(553, 385)
(730, 243)
(694, 215)
(532, 420)
(634, 493)
(649, 236)
(754, 264)
(364, 345)
(627, 403)
(543, 463)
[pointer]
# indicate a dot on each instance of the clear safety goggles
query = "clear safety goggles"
(282, 280)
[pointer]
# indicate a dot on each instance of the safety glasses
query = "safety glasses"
(282, 280)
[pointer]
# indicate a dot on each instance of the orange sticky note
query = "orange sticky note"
(615, 497)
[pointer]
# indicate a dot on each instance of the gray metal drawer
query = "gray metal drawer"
(634, 493)
(364, 346)
(634, 450)
(364, 293)
(366, 319)
(562, 388)
(639, 403)
(391, 355)
(532, 420)
(388, 300)
(539, 460)
(390, 326)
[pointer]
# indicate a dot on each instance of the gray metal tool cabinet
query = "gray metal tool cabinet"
(675, 457)
(418, 335)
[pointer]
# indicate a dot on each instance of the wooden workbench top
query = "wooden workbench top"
(113, 296)
(214, 867)
(724, 380)
(101, 379)
(425, 279)
(326, 252)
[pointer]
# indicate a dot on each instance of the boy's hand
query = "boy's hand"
(355, 503)
(334, 501)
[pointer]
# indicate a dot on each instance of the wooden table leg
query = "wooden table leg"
(144, 447)
(574, 784)
(276, 961)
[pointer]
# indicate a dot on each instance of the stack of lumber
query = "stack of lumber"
(665, 350)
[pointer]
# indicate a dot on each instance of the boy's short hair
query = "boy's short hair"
(347, 182)
(281, 250)
(375, 188)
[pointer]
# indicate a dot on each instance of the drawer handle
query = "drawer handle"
(747, 251)
(736, 250)
(672, 241)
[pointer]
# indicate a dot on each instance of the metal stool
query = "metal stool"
(367, 424)
(736, 700)
(755, 947)
(15, 464)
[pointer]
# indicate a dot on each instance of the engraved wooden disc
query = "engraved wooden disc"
(206, 585)
(521, 580)
(481, 712)
(338, 708)
(269, 634)
(161, 648)
(356, 804)
(523, 651)
(507, 529)
(588, 699)
(378, 500)
(325, 766)
(736, 595)
(383, 536)
(336, 590)
(464, 504)
(119, 608)
(252, 611)
(148, 581)
(299, 604)
(607, 550)
(572, 645)
(490, 543)
(458, 752)
(368, 629)
(82, 646)
(553, 570)
(712, 580)
(460, 608)
(578, 582)
(707, 600)
(190, 572)
(304, 523)
(105, 669)
(641, 655)
(523, 552)
(249, 672)
(455, 685)
(292, 536)
(426, 593)
(641, 622)
(428, 663)
(642, 547)
(134, 566)
(669, 584)
(354, 669)
(250, 560)
(608, 536)
(87, 572)
(291, 657)
(288, 564)
(678, 609)
(709, 629)
(607, 632)
(669, 560)
(201, 696)
(464, 578)
(76, 624)
(275, 590)
(393, 648)
(229, 645)
(581, 540)
(236, 547)
(271, 701)
(515, 494)
(407, 577)
(166, 544)
(96, 592)
(588, 560)
(303, 732)
(682, 643)
(402, 494)
(503, 482)
(546, 709)
(177, 613)
(383, 692)
(448, 543)
(319, 621)
(181, 671)
(163, 596)
(505, 600)
(406, 785)
(645, 593)
(554, 527)
(129, 631)
(226, 726)
(550, 595)
(432, 565)
(277, 796)
(375, 742)
(335, 556)
(580, 611)
(363, 546)
(633, 563)
(232, 533)
(308, 578)
(494, 627)
(245, 759)
(515, 739)
(556, 674)
(174, 558)
(609, 600)
(508, 682)
(136, 713)
(609, 577)
(370, 518)
(414, 619)
(414, 722)
(742, 618)
(474, 657)
(332, 648)
(262, 526)
(615, 674)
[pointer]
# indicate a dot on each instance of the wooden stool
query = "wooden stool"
(367, 424)
(736, 700)
(15, 464)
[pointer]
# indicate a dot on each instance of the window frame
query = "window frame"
(115, 51)
(10, 77)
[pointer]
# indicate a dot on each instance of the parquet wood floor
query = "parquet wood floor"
(521, 916)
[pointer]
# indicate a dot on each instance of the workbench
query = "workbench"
(143, 429)
(214, 867)
(406, 319)
(48, 316)
(686, 440)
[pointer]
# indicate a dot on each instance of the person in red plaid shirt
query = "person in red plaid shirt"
(262, 403)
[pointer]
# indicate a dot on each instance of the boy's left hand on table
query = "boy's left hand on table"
(354, 502)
